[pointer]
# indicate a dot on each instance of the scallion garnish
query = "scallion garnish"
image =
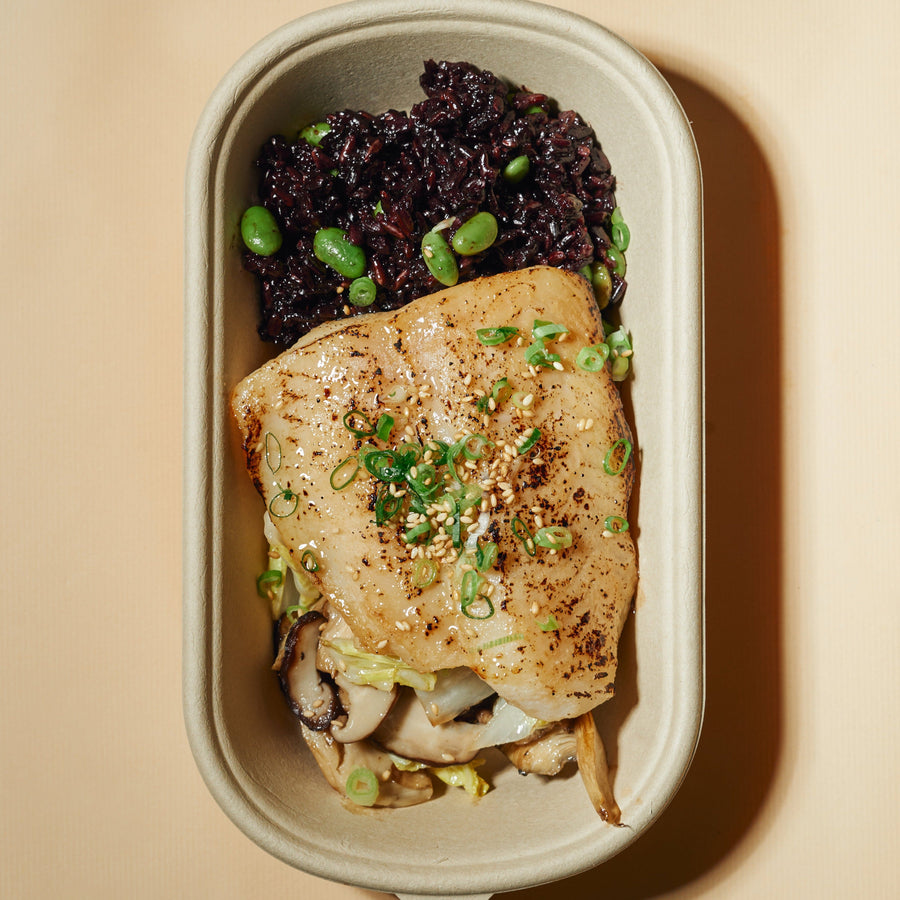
(284, 503)
(486, 556)
(423, 529)
(273, 452)
(625, 444)
(269, 579)
(424, 573)
(490, 337)
(308, 561)
(616, 524)
(553, 537)
(530, 441)
(470, 597)
(550, 625)
(384, 465)
(522, 532)
(543, 330)
(362, 787)
(383, 427)
(506, 639)
(618, 230)
(344, 472)
(592, 359)
(537, 355)
(476, 451)
(620, 351)
(364, 429)
(499, 393)
(387, 505)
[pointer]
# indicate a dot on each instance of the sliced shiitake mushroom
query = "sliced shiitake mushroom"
(310, 694)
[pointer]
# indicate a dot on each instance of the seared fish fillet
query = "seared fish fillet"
(541, 629)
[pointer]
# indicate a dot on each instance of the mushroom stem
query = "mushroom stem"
(594, 769)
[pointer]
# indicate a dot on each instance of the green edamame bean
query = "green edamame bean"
(439, 258)
(475, 235)
(601, 281)
(260, 231)
(516, 169)
(617, 258)
(362, 291)
(330, 246)
(313, 134)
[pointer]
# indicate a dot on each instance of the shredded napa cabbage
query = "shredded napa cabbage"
(462, 775)
(382, 672)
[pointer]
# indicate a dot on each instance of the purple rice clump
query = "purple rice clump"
(388, 179)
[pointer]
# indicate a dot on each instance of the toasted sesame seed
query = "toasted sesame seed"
(318, 703)
(381, 645)
(493, 501)
(559, 366)
(607, 533)
(410, 431)
(492, 404)
(468, 379)
(428, 252)
(346, 310)
(527, 400)
(538, 522)
(434, 709)
(589, 424)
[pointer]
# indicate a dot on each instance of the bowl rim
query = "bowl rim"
(202, 345)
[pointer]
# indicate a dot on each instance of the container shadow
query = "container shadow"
(740, 748)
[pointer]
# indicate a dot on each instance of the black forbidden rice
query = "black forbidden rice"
(443, 159)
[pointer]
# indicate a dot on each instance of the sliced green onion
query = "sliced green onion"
(378, 209)
(362, 291)
(543, 330)
(383, 464)
(308, 561)
(425, 482)
(550, 625)
(507, 639)
(423, 529)
(469, 597)
(537, 355)
(424, 573)
(626, 455)
(619, 368)
(387, 505)
(362, 787)
(592, 359)
(553, 537)
(456, 526)
(383, 427)
(269, 579)
(486, 556)
(364, 429)
(438, 451)
(618, 230)
(616, 524)
(490, 337)
(273, 452)
(476, 452)
(343, 473)
(284, 503)
(522, 532)
(530, 441)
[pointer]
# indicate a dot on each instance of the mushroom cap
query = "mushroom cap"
(310, 694)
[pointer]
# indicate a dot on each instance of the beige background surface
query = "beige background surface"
(795, 787)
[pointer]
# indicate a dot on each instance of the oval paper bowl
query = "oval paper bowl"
(526, 831)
